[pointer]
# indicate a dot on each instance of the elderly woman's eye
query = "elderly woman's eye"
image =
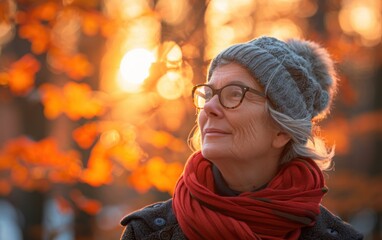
(234, 93)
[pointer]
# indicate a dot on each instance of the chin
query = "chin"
(212, 152)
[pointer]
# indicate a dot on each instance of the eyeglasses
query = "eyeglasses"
(230, 96)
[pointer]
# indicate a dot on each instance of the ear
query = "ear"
(281, 139)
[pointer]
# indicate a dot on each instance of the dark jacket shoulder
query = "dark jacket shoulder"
(158, 221)
(329, 226)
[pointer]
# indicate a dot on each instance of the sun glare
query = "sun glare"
(362, 18)
(134, 69)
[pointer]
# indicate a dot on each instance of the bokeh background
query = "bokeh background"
(95, 107)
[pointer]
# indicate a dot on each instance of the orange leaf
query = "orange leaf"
(163, 175)
(156, 166)
(139, 180)
(79, 67)
(37, 34)
(21, 82)
(45, 11)
(19, 175)
(58, 166)
(86, 134)
(99, 168)
(80, 102)
(173, 172)
(159, 139)
(16, 146)
(75, 100)
(6, 161)
(156, 173)
(37, 164)
(90, 23)
(76, 66)
(22, 74)
(52, 99)
(128, 155)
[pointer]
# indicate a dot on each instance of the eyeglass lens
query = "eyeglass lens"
(229, 96)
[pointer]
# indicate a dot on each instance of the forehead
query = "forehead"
(232, 73)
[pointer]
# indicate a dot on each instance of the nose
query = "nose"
(213, 107)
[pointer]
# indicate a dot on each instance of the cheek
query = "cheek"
(252, 129)
(201, 119)
(246, 131)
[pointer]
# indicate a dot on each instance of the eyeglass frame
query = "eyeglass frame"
(244, 89)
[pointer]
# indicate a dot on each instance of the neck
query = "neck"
(247, 177)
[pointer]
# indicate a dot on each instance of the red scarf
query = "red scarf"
(279, 211)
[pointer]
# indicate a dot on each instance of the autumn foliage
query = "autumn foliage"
(76, 100)
(32, 165)
(21, 75)
(53, 30)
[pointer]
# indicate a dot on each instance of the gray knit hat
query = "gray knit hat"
(298, 76)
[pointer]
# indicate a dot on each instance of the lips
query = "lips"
(214, 131)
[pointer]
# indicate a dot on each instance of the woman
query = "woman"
(258, 172)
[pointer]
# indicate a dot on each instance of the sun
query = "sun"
(134, 69)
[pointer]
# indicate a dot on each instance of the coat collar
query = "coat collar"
(151, 221)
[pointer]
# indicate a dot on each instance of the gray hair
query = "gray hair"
(304, 141)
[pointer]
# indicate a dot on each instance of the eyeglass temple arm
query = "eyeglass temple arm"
(257, 92)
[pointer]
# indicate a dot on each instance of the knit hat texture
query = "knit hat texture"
(297, 75)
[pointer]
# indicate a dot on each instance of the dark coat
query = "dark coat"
(158, 221)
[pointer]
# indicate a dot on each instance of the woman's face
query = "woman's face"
(243, 134)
